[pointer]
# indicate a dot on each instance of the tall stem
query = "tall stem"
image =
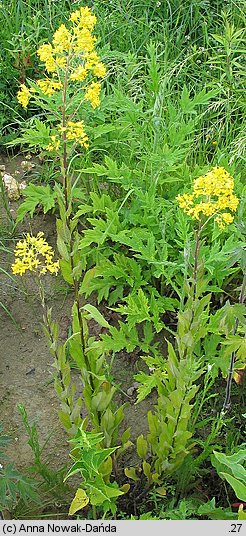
(194, 281)
(64, 124)
(67, 191)
(196, 256)
(53, 341)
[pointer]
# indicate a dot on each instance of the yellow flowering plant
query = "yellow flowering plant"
(212, 196)
(34, 254)
(72, 81)
(73, 71)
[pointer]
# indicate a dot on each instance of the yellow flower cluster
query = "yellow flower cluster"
(70, 57)
(91, 63)
(23, 95)
(99, 70)
(35, 255)
(62, 39)
(93, 94)
(54, 144)
(79, 74)
(212, 195)
(71, 50)
(84, 17)
(83, 41)
(46, 54)
(78, 40)
(49, 86)
(76, 132)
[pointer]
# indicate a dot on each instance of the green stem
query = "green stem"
(94, 511)
(197, 249)
(53, 341)
(64, 160)
(162, 284)
(194, 281)
(67, 192)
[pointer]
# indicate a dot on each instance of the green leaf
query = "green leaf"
(66, 271)
(241, 512)
(102, 129)
(148, 382)
(96, 315)
(237, 485)
(137, 308)
(209, 510)
(65, 419)
(142, 447)
(79, 501)
(36, 196)
(130, 472)
(37, 136)
(219, 38)
(147, 471)
(233, 463)
(120, 338)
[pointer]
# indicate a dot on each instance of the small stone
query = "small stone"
(11, 186)
(131, 391)
(2, 167)
(31, 371)
(27, 165)
(22, 185)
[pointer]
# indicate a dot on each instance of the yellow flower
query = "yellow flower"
(46, 54)
(185, 201)
(233, 202)
(224, 219)
(79, 73)
(92, 59)
(35, 255)
(84, 17)
(84, 41)
(100, 70)
(23, 95)
(212, 193)
(61, 61)
(54, 145)
(62, 39)
(216, 182)
(92, 94)
(76, 132)
(205, 208)
(49, 86)
(74, 50)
